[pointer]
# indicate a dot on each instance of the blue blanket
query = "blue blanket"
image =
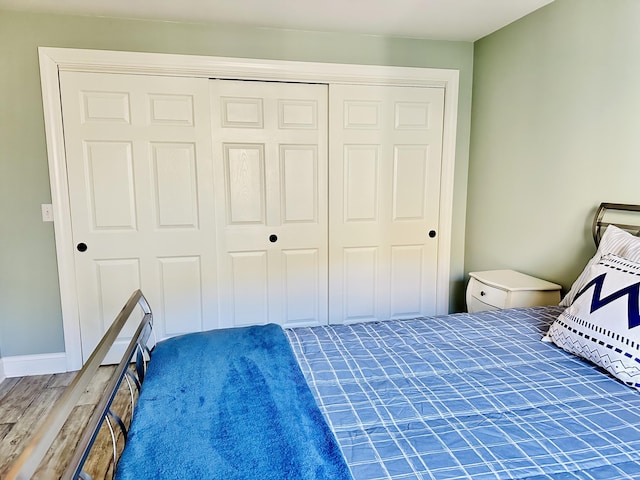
(469, 397)
(229, 404)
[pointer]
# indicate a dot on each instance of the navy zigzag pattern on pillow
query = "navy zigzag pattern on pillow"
(601, 323)
(615, 241)
(632, 292)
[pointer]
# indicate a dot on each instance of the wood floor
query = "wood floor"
(25, 401)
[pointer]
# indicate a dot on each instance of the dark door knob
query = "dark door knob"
(432, 233)
(273, 238)
(82, 247)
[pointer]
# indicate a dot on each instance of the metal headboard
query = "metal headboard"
(29, 460)
(605, 209)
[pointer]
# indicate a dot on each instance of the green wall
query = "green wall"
(556, 121)
(30, 317)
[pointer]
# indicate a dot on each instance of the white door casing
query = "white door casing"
(139, 168)
(56, 60)
(386, 151)
(270, 179)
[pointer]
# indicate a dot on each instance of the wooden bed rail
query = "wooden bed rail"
(29, 460)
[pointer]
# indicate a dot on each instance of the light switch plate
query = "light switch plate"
(47, 212)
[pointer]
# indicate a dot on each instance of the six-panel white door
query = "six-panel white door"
(214, 197)
(138, 152)
(270, 151)
(385, 161)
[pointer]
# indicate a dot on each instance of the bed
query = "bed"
(477, 396)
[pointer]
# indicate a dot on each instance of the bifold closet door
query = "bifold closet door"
(270, 179)
(385, 161)
(138, 152)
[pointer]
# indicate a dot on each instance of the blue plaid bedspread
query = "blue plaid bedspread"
(468, 396)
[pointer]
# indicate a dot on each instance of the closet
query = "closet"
(235, 202)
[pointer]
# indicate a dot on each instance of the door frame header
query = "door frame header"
(54, 60)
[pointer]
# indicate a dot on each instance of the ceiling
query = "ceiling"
(461, 20)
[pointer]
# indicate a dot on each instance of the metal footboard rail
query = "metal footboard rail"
(29, 460)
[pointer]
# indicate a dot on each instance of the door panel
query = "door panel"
(360, 192)
(115, 279)
(139, 168)
(301, 276)
(248, 302)
(359, 274)
(299, 183)
(270, 145)
(175, 183)
(386, 153)
(410, 182)
(111, 192)
(245, 180)
(406, 281)
(171, 109)
(181, 291)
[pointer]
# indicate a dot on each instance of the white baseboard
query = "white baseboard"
(2, 375)
(25, 365)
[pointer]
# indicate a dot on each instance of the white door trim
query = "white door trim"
(53, 60)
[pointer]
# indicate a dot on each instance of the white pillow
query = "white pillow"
(603, 322)
(614, 240)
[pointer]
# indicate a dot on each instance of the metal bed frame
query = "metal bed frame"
(600, 225)
(130, 369)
